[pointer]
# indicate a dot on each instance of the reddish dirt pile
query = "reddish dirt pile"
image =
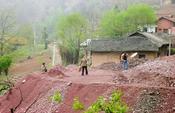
(160, 72)
(110, 66)
(57, 71)
(87, 94)
(118, 66)
(72, 68)
(25, 94)
(147, 88)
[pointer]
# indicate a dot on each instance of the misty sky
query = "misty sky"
(34, 10)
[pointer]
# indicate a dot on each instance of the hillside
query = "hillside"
(148, 87)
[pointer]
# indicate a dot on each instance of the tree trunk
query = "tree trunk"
(1, 49)
(6, 71)
(2, 43)
(78, 50)
(46, 45)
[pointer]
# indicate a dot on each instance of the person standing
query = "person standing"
(83, 65)
(124, 59)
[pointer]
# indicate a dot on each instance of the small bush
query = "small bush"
(172, 51)
(57, 97)
(5, 63)
(3, 89)
(77, 105)
(113, 105)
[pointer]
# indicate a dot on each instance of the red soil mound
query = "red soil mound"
(72, 67)
(57, 71)
(160, 72)
(137, 98)
(118, 66)
(25, 94)
(32, 95)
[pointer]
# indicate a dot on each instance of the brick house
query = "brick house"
(166, 25)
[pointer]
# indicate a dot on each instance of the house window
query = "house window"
(142, 56)
(165, 30)
(160, 29)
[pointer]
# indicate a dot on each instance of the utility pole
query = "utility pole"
(34, 35)
(54, 54)
(170, 33)
(169, 53)
(161, 3)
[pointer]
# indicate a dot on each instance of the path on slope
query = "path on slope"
(33, 65)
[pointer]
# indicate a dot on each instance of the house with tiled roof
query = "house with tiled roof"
(147, 46)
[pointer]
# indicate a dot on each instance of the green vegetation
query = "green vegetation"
(172, 51)
(5, 63)
(113, 105)
(116, 23)
(72, 31)
(24, 52)
(4, 87)
(57, 97)
(77, 105)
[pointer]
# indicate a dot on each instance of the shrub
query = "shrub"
(77, 105)
(57, 97)
(5, 63)
(113, 105)
(172, 51)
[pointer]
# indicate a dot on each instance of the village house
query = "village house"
(166, 21)
(147, 45)
(166, 25)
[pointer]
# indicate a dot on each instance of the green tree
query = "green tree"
(141, 15)
(45, 38)
(26, 31)
(71, 31)
(117, 23)
(7, 25)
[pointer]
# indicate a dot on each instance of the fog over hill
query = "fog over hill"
(33, 10)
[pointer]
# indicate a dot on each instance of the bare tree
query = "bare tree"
(7, 24)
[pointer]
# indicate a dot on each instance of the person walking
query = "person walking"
(124, 58)
(83, 65)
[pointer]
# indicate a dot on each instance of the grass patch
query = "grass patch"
(25, 51)
(3, 87)
(57, 97)
(77, 105)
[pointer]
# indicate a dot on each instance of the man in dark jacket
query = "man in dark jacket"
(124, 58)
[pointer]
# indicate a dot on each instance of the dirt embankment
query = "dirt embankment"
(147, 88)
(31, 94)
(160, 72)
(139, 99)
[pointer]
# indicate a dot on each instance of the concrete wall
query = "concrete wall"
(100, 58)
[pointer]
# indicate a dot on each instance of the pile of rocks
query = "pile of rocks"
(136, 61)
(110, 66)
